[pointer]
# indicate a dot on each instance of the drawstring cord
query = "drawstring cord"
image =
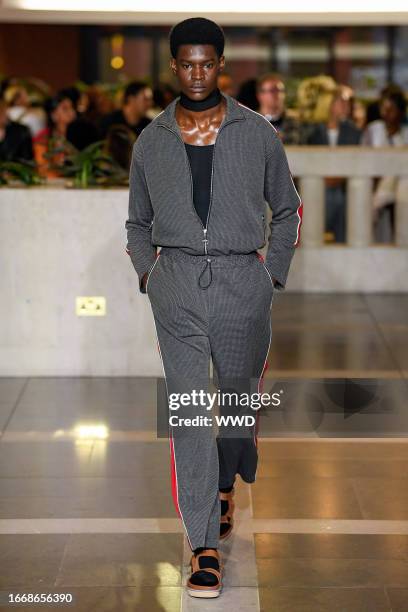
(207, 264)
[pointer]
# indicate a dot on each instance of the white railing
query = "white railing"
(359, 165)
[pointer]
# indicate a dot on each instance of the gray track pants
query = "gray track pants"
(209, 307)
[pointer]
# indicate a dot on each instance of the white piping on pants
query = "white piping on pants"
(174, 454)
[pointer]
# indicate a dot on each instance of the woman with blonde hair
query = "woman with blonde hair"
(337, 130)
(19, 109)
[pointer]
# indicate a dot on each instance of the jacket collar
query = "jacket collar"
(168, 116)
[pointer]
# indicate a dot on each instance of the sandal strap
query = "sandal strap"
(231, 506)
(227, 496)
(210, 570)
(208, 552)
(195, 566)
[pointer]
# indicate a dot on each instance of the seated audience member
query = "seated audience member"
(338, 130)
(137, 100)
(15, 139)
(80, 132)
(119, 144)
(78, 98)
(247, 94)
(373, 111)
(99, 104)
(162, 96)
(19, 109)
(271, 95)
(359, 114)
(226, 84)
(60, 113)
(390, 130)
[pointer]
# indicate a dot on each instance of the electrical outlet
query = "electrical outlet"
(90, 306)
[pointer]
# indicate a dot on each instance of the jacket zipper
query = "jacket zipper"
(205, 239)
(191, 181)
(211, 186)
(211, 192)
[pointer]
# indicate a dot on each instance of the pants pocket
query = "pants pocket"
(266, 271)
(151, 270)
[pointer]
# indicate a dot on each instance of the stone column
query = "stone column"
(401, 213)
(313, 195)
(359, 211)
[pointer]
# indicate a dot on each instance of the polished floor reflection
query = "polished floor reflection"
(85, 501)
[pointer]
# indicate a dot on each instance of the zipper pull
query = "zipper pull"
(205, 240)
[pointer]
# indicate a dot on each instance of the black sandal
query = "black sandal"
(199, 564)
(227, 519)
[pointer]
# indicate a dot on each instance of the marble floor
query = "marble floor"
(86, 508)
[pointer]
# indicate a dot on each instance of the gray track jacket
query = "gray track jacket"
(250, 170)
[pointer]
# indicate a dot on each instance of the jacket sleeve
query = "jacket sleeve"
(286, 206)
(140, 219)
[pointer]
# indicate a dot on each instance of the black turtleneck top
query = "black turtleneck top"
(200, 158)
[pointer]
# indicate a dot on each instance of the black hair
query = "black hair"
(398, 98)
(72, 93)
(162, 94)
(4, 83)
(51, 103)
(133, 88)
(196, 31)
(390, 88)
(247, 94)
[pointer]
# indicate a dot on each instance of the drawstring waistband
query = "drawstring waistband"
(207, 265)
(221, 260)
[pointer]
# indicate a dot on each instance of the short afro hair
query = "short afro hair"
(196, 31)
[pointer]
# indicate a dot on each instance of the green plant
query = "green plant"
(21, 171)
(91, 166)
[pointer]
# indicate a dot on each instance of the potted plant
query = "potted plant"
(90, 167)
(13, 173)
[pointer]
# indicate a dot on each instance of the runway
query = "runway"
(85, 497)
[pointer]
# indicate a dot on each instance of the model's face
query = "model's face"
(197, 68)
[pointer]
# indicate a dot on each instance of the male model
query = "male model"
(202, 172)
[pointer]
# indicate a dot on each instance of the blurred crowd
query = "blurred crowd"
(327, 113)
